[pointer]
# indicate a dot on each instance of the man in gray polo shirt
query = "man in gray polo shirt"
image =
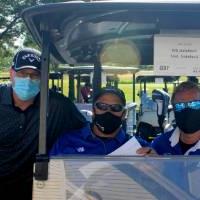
(19, 123)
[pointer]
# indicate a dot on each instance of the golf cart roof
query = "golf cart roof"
(153, 78)
(89, 69)
(81, 31)
(149, 76)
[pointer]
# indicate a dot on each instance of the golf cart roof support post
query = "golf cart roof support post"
(145, 86)
(165, 82)
(78, 87)
(97, 76)
(41, 165)
(71, 85)
(134, 87)
(62, 77)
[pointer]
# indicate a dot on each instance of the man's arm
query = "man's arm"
(63, 116)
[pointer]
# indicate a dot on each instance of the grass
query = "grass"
(128, 90)
(4, 74)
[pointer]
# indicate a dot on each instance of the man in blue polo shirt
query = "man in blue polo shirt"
(185, 138)
(105, 134)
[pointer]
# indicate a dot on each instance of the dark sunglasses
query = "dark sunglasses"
(111, 107)
(195, 105)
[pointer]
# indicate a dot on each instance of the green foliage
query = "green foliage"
(5, 54)
(12, 28)
(125, 81)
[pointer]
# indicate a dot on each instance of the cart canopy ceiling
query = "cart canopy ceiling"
(115, 33)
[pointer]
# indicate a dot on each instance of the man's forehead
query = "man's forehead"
(109, 97)
(188, 95)
(32, 71)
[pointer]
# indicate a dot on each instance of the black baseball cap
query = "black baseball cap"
(27, 58)
(110, 90)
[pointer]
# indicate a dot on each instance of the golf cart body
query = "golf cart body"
(118, 33)
(56, 81)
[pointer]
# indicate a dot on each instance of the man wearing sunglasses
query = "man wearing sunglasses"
(105, 134)
(185, 138)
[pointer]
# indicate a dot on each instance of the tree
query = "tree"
(12, 28)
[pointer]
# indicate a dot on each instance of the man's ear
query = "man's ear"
(12, 73)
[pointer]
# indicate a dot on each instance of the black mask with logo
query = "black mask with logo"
(188, 120)
(107, 122)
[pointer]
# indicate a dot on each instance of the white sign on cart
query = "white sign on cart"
(176, 55)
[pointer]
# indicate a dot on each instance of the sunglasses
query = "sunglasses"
(111, 107)
(195, 105)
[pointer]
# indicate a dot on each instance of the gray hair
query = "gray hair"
(184, 86)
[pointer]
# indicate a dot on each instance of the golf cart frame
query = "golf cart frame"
(78, 48)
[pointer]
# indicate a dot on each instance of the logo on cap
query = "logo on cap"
(31, 57)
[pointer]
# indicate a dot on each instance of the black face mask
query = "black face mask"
(107, 122)
(188, 120)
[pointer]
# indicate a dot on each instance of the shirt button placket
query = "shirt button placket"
(22, 120)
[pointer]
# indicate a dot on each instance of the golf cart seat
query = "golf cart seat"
(86, 110)
(87, 114)
(149, 130)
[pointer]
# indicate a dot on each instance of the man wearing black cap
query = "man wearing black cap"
(19, 124)
(105, 134)
(25, 77)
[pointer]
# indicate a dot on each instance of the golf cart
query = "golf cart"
(155, 114)
(56, 81)
(120, 33)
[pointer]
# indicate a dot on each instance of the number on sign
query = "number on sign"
(164, 67)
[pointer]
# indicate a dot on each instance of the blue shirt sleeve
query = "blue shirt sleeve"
(142, 142)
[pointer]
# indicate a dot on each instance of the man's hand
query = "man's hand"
(146, 151)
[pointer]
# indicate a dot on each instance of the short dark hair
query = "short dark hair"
(184, 86)
(110, 90)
